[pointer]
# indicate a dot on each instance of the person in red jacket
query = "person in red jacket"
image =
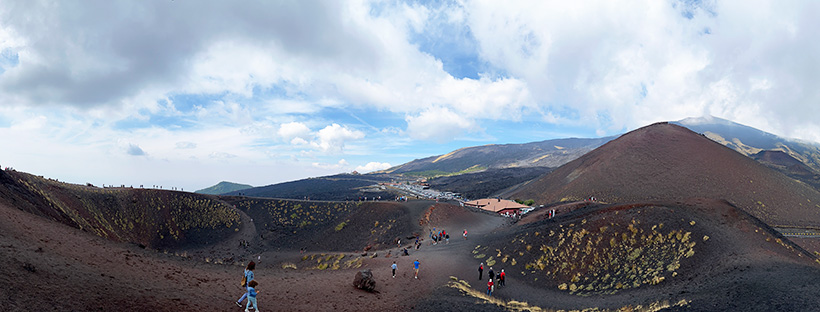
(490, 287)
(480, 270)
(501, 277)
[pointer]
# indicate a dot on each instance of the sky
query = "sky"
(184, 93)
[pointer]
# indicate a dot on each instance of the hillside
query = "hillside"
(223, 187)
(684, 254)
(691, 255)
(780, 161)
(335, 187)
(486, 183)
(749, 141)
(549, 153)
(664, 161)
(152, 218)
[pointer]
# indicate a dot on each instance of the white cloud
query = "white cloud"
(332, 138)
(373, 166)
(337, 166)
(222, 155)
(259, 81)
(295, 132)
(438, 124)
(186, 145)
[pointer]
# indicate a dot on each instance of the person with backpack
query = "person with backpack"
(480, 270)
(490, 287)
(245, 280)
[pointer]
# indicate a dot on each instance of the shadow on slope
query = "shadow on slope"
(331, 226)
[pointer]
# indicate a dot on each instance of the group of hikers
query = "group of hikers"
(438, 236)
(250, 284)
(491, 274)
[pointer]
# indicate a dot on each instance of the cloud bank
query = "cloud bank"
(293, 84)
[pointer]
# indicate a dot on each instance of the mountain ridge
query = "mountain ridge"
(223, 187)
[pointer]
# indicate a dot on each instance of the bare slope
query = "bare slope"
(664, 161)
(152, 218)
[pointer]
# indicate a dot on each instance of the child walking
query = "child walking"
(252, 292)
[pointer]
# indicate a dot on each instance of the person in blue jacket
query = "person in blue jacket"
(416, 267)
(252, 292)
(248, 278)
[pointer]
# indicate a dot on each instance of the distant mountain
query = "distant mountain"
(750, 141)
(223, 187)
(550, 153)
(486, 183)
(335, 187)
(669, 162)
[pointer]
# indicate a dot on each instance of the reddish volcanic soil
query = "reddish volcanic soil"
(677, 224)
(664, 161)
(60, 268)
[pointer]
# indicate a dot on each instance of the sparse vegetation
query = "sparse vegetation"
(608, 259)
(149, 217)
(513, 305)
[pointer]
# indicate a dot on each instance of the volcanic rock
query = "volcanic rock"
(364, 280)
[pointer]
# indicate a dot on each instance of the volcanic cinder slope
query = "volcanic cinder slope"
(667, 162)
(662, 240)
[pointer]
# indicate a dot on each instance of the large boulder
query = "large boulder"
(364, 280)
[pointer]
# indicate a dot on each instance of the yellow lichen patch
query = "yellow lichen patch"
(288, 266)
(518, 306)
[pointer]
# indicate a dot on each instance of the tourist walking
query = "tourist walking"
(465, 234)
(491, 274)
(246, 281)
(416, 267)
(501, 277)
(480, 270)
(252, 292)
(394, 269)
(490, 287)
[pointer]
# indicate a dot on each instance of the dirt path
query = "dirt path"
(230, 249)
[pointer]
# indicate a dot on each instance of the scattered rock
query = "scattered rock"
(29, 267)
(364, 280)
